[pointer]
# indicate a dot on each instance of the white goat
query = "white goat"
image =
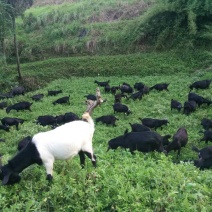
(63, 142)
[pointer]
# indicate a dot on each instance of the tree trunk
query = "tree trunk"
(2, 48)
(16, 49)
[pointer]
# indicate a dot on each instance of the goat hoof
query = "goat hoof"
(49, 177)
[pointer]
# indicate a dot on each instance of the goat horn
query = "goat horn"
(92, 104)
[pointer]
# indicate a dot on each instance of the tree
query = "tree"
(5, 26)
(17, 7)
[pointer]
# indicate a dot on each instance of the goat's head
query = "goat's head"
(91, 104)
(7, 175)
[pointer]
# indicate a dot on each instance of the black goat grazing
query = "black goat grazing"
(113, 89)
(198, 99)
(154, 123)
(108, 120)
(102, 84)
(23, 142)
(138, 86)
(91, 97)
(54, 92)
(7, 121)
(37, 97)
(126, 89)
(6, 95)
(3, 105)
(145, 90)
(205, 157)
(120, 108)
(47, 120)
(189, 107)
(118, 97)
(19, 106)
(176, 105)
(206, 123)
(107, 88)
(207, 136)
(142, 141)
(160, 87)
(62, 100)
(138, 95)
(139, 127)
(20, 90)
(67, 117)
(180, 139)
(202, 84)
(6, 128)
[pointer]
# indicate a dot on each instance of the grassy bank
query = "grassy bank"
(37, 74)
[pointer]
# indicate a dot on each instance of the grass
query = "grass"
(37, 74)
(121, 182)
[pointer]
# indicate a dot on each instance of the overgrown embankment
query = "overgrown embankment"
(37, 74)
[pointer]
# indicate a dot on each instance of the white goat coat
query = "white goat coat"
(64, 142)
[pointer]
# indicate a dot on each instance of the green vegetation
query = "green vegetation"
(68, 46)
(121, 182)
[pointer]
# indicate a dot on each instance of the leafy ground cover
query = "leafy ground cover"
(121, 182)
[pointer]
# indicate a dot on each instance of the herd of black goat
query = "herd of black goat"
(143, 137)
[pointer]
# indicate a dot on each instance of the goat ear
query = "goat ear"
(6, 178)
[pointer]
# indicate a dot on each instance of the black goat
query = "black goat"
(206, 123)
(142, 141)
(126, 89)
(198, 99)
(120, 108)
(107, 88)
(19, 106)
(113, 89)
(189, 107)
(22, 143)
(118, 97)
(138, 86)
(138, 95)
(145, 90)
(54, 92)
(91, 97)
(176, 105)
(67, 117)
(108, 120)
(180, 139)
(160, 87)
(47, 120)
(6, 128)
(205, 157)
(202, 84)
(62, 100)
(154, 123)
(102, 84)
(20, 90)
(3, 105)
(7, 121)
(37, 97)
(207, 136)
(139, 127)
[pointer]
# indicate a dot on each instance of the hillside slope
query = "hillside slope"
(78, 28)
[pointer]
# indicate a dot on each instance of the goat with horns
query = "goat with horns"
(61, 143)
